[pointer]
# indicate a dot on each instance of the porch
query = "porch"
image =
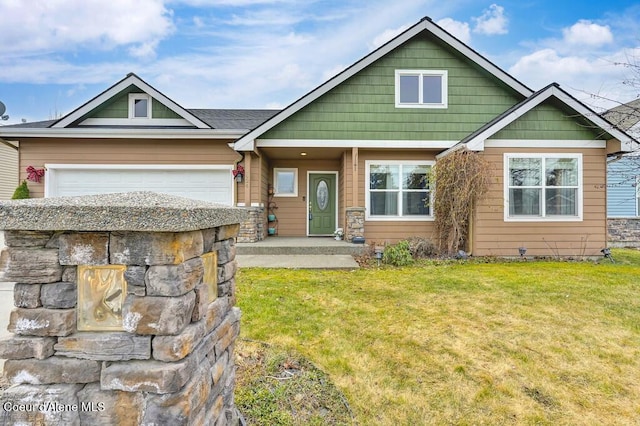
(298, 253)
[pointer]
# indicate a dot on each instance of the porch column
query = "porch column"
(354, 176)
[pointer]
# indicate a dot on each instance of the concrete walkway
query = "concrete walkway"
(305, 261)
(298, 253)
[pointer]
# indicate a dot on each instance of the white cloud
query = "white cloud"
(459, 29)
(492, 21)
(595, 81)
(586, 33)
(66, 25)
(387, 35)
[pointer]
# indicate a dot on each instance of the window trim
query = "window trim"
(421, 73)
(275, 182)
(544, 217)
(399, 218)
(133, 97)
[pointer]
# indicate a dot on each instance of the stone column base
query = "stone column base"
(355, 223)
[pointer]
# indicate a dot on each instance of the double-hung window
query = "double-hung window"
(421, 89)
(398, 190)
(543, 186)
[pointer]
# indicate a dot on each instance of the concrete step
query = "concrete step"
(297, 261)
(284, 246)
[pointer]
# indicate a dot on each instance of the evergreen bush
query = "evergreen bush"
(21, 192)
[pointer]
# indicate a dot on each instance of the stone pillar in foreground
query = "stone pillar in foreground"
(124, 311)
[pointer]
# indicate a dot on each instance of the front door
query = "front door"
(322, 203)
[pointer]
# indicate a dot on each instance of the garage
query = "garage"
(211, 183)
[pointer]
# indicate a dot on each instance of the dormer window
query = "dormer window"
(139, 105)
(421, 89)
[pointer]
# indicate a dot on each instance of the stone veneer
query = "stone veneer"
(624, 232)
(252, 228)
(172, 361)
(355, 223)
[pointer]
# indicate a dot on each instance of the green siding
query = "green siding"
(118, 107)
(363, 107)
(161, 111)
(551, 121)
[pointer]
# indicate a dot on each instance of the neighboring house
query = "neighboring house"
(355, 152)
(8, 169)
(623, 186)
(623, 195)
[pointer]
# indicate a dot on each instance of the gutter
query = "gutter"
(143, 133)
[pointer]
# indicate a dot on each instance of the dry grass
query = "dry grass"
(463, 343)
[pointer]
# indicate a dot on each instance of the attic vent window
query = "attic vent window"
(139, 105)
(421, 89)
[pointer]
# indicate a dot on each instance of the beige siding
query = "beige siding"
(38, 152)
(292, 211)
(8, 171)
(391, 231)
(493, 236)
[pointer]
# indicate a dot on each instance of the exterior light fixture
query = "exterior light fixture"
(462, 255)
(378, 251)
(606, 252)
(238, 173)
(304, 154)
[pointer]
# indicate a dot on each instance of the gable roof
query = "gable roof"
(207, 123)
(246, 142)
(475, 141)
(130, 79)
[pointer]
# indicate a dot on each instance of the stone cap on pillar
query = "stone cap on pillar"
(131, 211)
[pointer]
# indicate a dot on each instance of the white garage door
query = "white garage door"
(208, 183)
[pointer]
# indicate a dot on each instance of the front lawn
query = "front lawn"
(462, 343)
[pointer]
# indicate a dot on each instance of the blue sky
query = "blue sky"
(57, 54)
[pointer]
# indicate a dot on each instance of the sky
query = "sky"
(55, 55)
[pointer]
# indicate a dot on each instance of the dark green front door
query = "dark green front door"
(322, 203)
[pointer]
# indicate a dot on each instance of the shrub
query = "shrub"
(398, 254)
(21, 192)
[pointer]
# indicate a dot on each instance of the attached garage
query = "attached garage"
(211, 183)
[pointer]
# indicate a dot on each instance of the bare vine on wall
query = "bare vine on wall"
(461, 179)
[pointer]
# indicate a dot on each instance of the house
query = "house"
(8, 169)
(623, 196)
(623, 187)
(355, 152)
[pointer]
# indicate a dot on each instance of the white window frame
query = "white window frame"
(399, 217)
(544, 217)
(421, 73)
(133, 97)
(275, 182)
